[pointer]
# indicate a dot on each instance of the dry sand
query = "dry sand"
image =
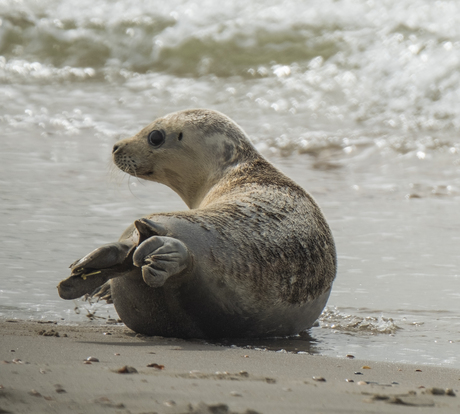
(43, 373)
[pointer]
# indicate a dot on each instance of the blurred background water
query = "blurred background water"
(358, 101)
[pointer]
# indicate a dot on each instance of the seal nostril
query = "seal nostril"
(115, 147)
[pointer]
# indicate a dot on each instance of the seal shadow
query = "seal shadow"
(302, 343)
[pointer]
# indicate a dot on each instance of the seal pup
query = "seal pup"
(253, 257)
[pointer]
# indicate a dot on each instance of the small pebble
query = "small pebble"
(361, 383)
(418, 370)
(270, 380)
(107, 333)
(436, 391)
(117, 354)
(349, 380)
(42, 371)
(13, 350)
(48, 398)
(244, 374)
(170, 403)
(17, 361)
(366, 367)
(35, 393)
(59, 389)
(350, 356)
(236, 394)
(103, 400)
(156, 366)
(450, 392)
(92, 359)
(245, 356)
(51, 332)
(319, 379)
(379, 397)
(127, 370)
(358, 373)
(87, 362)
(108, 403)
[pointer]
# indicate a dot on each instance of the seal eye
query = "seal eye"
(156, 138)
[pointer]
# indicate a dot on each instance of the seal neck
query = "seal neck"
(200, 178)
(192, 193)
(229, 182)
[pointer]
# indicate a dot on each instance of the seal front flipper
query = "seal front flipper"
(96, 268)
(161, 258)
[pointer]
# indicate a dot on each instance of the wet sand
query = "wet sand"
(43, 370)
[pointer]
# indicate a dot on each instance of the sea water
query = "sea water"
(358, 101)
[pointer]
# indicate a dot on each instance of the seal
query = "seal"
(253, 257)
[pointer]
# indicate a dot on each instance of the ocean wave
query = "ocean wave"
(336, 320)
(186, 38)
(180, 46)
(23, 71)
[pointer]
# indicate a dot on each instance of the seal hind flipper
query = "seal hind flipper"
(161, 258)
(75, 286)
(103, 257)
(96, 268)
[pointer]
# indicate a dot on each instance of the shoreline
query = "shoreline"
(47, 371)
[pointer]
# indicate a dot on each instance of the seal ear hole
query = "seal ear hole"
(156, 138)
(180, 137)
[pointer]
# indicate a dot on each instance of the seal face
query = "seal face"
(252, 257)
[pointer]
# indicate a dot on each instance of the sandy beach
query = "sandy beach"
(44, 369)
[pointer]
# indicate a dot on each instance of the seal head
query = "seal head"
(189, 151)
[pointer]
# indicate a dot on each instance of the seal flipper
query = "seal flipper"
(75, 286)
(161, 258)
(103, 292)
(148, 228)
(103, 257)
(96, 268)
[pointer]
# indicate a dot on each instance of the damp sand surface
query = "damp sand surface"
(59, 368)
